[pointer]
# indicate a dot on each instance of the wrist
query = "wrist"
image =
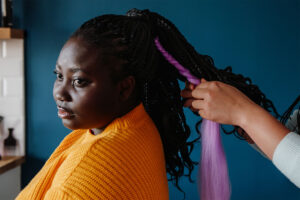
(247, 112)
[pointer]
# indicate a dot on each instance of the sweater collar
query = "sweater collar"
(130, 119)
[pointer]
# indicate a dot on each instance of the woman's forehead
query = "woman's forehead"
(95, 62)
(77, 55)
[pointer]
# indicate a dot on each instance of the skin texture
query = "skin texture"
(85, 88)
(225, 104)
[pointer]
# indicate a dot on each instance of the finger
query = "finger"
(198, 93)
(188, 102)
(202, 113)
(203, 84)
(203, 80)
(186, 93)
(198, 104)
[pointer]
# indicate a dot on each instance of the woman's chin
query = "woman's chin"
(71, 124)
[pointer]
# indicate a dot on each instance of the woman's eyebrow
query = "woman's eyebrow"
(78, 69)
(73, 69)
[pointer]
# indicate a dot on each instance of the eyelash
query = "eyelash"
(59, 78)
(57, 74)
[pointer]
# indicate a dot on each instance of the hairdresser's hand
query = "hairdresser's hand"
(217, 101)
(225, 104)
(189, 88)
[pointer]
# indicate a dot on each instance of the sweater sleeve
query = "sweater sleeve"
(287, 153)
(287, 157)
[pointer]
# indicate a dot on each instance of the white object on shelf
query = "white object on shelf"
(4, 49)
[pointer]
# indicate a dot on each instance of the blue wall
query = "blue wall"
(258, 38)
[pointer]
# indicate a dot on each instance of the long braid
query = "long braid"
(202, 66)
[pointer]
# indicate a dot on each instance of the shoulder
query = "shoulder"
(123, 163)
(128, 147)
(109, 169)
(67, 143)
(72, 137)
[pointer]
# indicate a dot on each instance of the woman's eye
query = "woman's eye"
(59, 76)
(80, 82)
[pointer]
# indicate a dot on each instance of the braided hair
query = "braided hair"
(130, 38)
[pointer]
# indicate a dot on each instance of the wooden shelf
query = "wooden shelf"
(10, 33)
(10, 162)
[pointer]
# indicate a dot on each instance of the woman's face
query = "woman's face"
(84, 92)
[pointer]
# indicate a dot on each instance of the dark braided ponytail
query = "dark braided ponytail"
(131, 39)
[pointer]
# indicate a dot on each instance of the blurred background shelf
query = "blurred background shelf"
(10, 162)
(10, 33)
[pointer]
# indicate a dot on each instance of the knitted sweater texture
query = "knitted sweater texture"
(125, 161)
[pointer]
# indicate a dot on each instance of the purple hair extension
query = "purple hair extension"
(214, 180)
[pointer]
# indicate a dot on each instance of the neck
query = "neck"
(128, 107)
(123, 110)
(129, 104)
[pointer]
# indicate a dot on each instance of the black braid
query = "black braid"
(131, 39)
(202, 66)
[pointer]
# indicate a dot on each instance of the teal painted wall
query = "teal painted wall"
(258, 38)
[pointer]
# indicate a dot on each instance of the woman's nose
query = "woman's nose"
(60, 92)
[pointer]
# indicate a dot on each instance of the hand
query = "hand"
(225, 104)
(217, 101)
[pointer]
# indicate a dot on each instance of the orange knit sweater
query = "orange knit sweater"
(125, 161)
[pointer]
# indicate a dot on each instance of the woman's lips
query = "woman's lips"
(64, 114)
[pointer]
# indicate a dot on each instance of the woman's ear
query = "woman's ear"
(126, 88)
